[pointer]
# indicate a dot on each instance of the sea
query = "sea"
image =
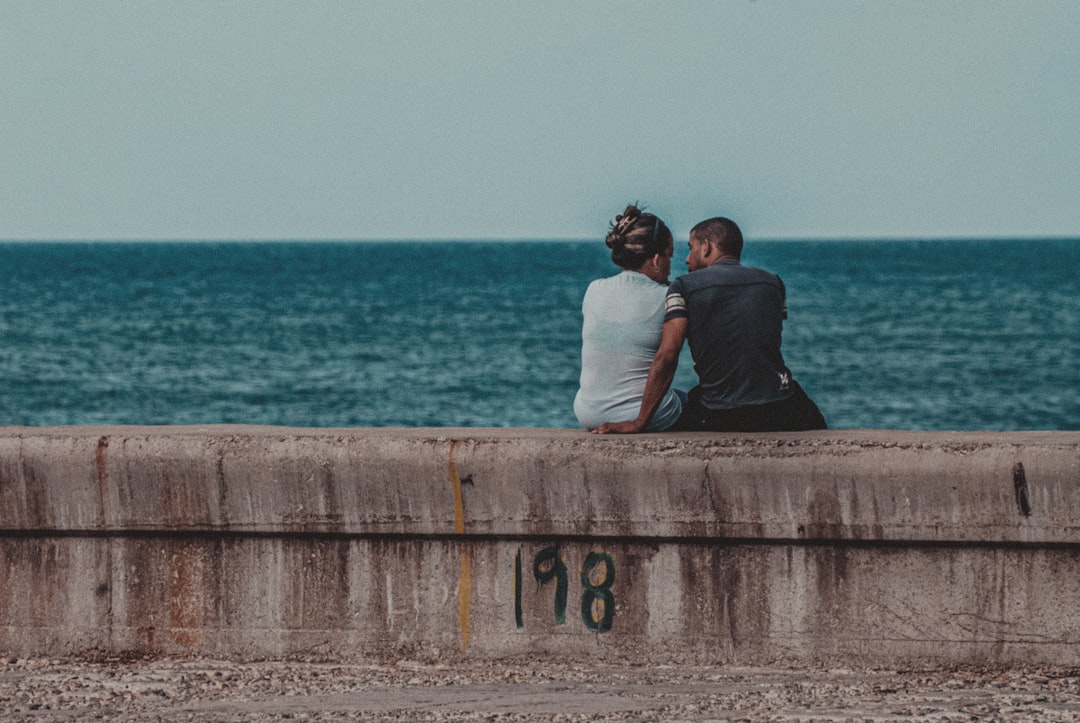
(893, 334)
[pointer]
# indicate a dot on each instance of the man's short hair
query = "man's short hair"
(721, 231)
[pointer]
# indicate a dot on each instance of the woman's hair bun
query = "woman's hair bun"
(621, 226)
(636, 236)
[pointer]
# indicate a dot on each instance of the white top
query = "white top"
(620, 334)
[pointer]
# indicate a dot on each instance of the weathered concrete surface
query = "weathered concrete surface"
(873, 547)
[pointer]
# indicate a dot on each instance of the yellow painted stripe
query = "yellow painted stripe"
(464, 598)
(465, 573)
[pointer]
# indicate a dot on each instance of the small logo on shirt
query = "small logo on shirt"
(785, 381)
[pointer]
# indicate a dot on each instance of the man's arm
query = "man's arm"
(661, 372)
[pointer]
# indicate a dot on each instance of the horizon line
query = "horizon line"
(526, 239)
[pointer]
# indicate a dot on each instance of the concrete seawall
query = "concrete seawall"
(870, 547)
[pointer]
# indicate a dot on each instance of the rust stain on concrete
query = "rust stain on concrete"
(183, 598)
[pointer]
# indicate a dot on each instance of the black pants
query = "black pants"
(794, 414)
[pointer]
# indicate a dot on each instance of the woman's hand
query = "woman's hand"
(630, 427)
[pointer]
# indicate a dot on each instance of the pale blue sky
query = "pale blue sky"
(531, 120)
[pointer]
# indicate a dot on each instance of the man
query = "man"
(732, 315)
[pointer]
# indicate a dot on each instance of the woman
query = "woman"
(623, 316)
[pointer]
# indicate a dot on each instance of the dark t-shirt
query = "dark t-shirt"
(735, 315)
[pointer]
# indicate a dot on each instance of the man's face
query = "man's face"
(698, 251)
(663, 265)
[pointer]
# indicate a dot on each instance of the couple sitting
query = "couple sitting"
(731, 314)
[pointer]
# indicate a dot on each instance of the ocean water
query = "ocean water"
(929, 335)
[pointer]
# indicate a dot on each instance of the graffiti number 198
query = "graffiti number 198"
(597, 577)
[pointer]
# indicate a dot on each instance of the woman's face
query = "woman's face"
(658, 268)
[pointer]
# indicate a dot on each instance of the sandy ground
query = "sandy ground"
(210, 690)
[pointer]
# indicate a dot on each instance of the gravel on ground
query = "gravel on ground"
(167, 689)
